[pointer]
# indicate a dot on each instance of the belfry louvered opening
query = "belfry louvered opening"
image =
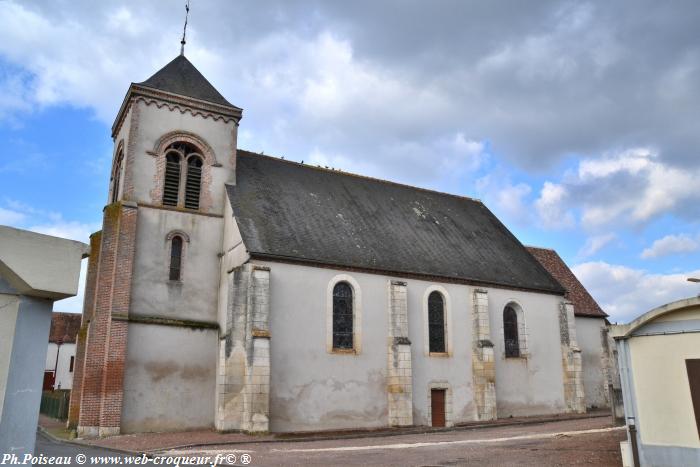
(171, 188)
(194, 182)
(182, 185)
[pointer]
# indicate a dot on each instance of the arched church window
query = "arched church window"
(436, 323)
(176, 258)
(194, 182)
(171, 187)
(342, 316)
(182, 185)
(510, 332)
(116, 175)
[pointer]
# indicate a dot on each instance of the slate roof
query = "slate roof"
(576, 293)
(64, 327)
(181, 77)
(291, 211)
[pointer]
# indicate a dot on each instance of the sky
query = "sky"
(576, 123)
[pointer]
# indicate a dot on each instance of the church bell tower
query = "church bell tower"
(153, 275)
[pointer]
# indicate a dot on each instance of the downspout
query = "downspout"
(628, 397)
(59, 342)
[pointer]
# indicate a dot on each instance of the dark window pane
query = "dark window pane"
(342, 316)
(116, 177)
(175, 258)
(436, 322)
(510, 332)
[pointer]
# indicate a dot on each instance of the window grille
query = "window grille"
(342, 316)
(436, 323)
(510, 332)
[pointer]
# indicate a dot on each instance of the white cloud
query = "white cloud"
(10, 217)
(511, 202)
(625, 293)
(671, 244)
(596, 243)
(551, 207)
(71, 230)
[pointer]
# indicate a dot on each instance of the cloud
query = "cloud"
(625, 293)
(671, 244)
(10, 217)
(551, 207)
(596, 243)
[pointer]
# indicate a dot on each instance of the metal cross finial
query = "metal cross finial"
(184, 29)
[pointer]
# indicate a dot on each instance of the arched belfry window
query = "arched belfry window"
(342, 316)
(194, 182)
(510, 332)
(182, 186)
(176, 258)
(116, 175)
(436, 323)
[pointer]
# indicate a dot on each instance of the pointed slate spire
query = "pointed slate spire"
(181, 77)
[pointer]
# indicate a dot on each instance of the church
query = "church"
(237, 291)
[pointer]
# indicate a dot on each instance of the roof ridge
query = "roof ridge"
(364, 177)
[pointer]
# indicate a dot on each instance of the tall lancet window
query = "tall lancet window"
(176, 258)
(342, 316)
(510, 332)
(116, 175)
(436, 323)
(194, 182)
(182, 184)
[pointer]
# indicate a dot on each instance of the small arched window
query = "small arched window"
(176, 258)
(510, 332)
(342, 316)
(436, 323)
(171, 187)
(194, 182)
(116, 175)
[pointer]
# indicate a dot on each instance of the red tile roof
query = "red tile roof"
(64, 327)
(576, 293)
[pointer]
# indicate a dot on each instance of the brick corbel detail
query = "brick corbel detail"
(101, 388)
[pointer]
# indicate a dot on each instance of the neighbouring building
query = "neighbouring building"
(60, 356)
(35, 271)
(239, 291)
(659, 360)
(591, 329)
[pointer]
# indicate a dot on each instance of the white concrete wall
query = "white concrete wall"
(533, 384)
(169, 378)
(661, 387)
(590, 337)
(195, 296)
(312, 389)
(64, 375)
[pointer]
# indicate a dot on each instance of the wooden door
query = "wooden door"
(693, 367)
(437, 405)
(48, 381)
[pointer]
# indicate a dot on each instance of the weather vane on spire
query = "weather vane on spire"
(184, 29)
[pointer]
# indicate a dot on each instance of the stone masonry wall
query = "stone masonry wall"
(243, 378)
(483, 365)
(399, 373)
(571, 359)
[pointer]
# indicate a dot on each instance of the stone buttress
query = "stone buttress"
(243, 376)
(571, 358)
(483, 365)
(399, 373)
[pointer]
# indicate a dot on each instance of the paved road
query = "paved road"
(48, 448)
(576, 442)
